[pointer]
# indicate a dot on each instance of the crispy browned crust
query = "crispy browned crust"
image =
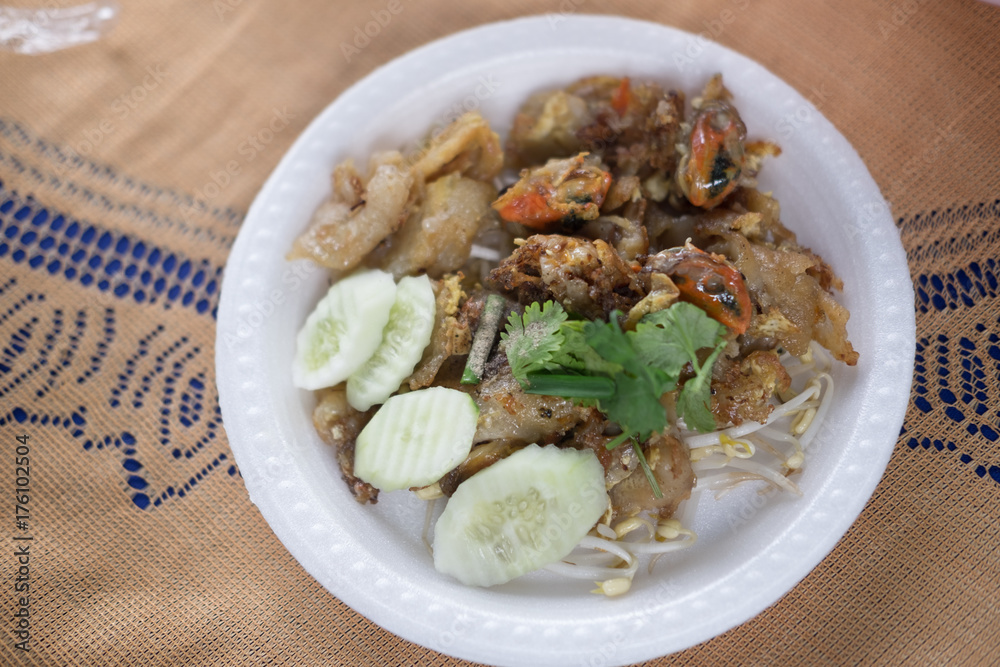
(589, 278)
(631, 131)
(338, 424)
(640, 141)
(670, 462)
(506, 412)
(790, 286)
(743, 387)
(451, 336)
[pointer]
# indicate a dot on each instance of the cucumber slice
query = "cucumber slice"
(520, 514)
(415, 438)
(344, 329)
(411, 322)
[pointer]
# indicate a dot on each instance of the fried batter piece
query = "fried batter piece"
(670, 462)
(338, 424)
(767, 229)
(633, 128)
(510, 419)
(638, 124)
(786, 283)
(560, 193)
(662, 294)
(742, 388)
(451, 333)
(466, 146)
(715, 158)
(438, 235)
(628, 236)
(623, 190)
(587, 277)
(546, 126)
(592, 434)
(507, 413)
(357, 216)
(708, 281)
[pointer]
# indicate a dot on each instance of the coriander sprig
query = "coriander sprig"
(625, 372)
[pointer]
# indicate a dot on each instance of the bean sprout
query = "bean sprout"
(722, 460)
(427, 525)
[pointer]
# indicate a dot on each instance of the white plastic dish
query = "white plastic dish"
(750, 552)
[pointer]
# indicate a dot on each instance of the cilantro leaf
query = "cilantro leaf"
(695, 399)
(684, 329)
(531, 340)
(635, 406)
(688, 329)
(626, 372)
(655, 347)
(576, 354)
(610, 342)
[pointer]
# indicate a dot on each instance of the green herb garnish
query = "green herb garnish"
(671, 338)
(637, 448)
(533, 338)
(625, 372)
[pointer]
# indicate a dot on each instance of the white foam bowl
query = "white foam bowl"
(749, 552)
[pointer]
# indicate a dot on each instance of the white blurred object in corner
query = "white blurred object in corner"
(32, 31)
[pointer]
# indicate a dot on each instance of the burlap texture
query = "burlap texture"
(146, 548)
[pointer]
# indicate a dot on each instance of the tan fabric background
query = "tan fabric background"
(131, 135)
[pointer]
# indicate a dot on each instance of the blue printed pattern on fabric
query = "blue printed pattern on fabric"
(99, 258)
(160, 380)
(964, 371)
(963, 287)
(159, 374)
(958, 378)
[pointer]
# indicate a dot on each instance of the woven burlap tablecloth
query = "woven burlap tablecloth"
(117, 213)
